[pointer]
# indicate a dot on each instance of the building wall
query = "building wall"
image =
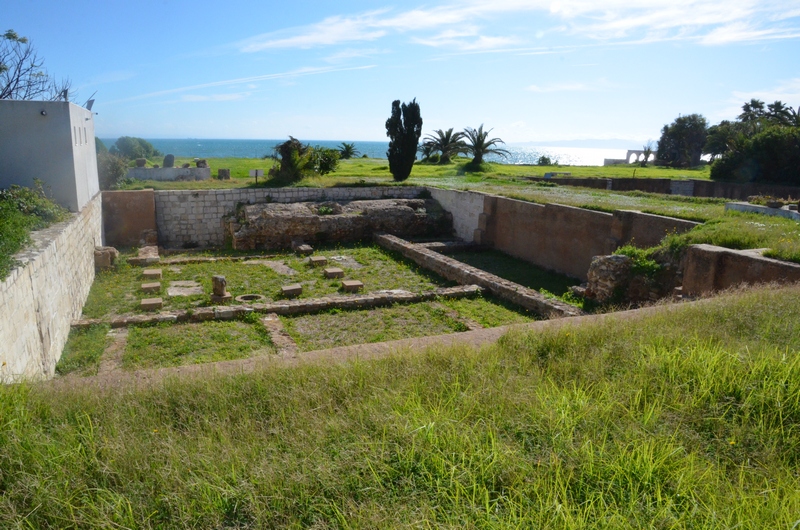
(194, 217)
(56, 147)
(41, 297)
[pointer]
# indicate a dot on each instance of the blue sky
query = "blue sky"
(535, 71)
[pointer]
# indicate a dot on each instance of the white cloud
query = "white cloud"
(214, 97)
(300, 72)
(706, 21)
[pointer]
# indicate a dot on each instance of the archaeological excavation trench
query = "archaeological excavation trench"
(228, 274)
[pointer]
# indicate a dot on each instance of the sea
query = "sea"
(526, 154)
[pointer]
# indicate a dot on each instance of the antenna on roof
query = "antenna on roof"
(90, 102)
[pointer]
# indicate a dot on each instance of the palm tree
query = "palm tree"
(447, 143)
(347, 151)
(779, 113)
(479, 145)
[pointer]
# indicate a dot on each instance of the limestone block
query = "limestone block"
(151, 304)
(153, 287)
(352, 286)
(292, 290)
(219, 284)
(105, 257)
(151, 274)
(317, 261)
(333, 272)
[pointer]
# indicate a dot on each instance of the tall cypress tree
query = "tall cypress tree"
(404, 127)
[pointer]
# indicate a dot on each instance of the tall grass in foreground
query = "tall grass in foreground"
(686, 419)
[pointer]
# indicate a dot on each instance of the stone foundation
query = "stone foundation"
(465, 274)
(275, 226)
(287, 307)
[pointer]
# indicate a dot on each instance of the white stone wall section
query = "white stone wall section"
(466, 207)
(45, 293)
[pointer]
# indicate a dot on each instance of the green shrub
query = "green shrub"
(23, 210)
(642, 262)
(769, 156)
(112, 170)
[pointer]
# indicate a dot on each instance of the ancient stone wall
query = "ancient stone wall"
(277, 225)
(565, 238)
(41, 297)
(467, 275)
(193, 218)
(709, 268)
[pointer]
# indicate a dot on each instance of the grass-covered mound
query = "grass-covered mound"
(689, 418)
(23, 210)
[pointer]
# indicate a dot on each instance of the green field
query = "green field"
(682, 419)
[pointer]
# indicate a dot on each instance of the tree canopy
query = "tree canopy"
(763, 144)
(404, 127)
(682, 141)
(22, 72)
(132, 147)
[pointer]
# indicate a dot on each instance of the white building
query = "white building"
(52, 141)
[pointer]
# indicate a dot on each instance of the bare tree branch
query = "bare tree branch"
(22, 72)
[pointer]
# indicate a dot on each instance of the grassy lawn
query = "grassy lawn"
(343, 328)
(687, 419)
(376, 169)
(738, 230)
(178, 344)
(83, 350)
(118, 292)
(517, 270)
(500, 179)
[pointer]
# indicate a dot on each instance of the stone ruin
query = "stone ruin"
(275, 226)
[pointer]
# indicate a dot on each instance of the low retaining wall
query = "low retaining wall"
(193, 218)
(169, 173)
(764, 210)
(710, 268)
(689, 187)
(287, 307)
(465, 274)
(41, 297)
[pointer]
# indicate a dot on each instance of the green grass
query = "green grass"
(687, 419)
(118, 292)
(178, 344)
(501, 179)
(517, 271)
(489, 311)
(83, 350)
(22, 211)
(376, 170)
(744, 231)
(343, 328)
